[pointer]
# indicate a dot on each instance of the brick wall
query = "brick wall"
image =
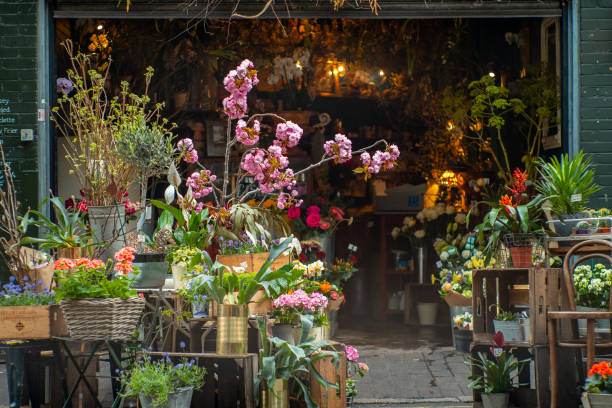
(596, 92)
(18, 93)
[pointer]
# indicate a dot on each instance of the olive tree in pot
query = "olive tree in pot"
(497, 375)
(567, 185)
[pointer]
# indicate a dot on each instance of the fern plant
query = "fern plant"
(567, 184)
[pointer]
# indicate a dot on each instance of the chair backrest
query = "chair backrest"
(568, 272)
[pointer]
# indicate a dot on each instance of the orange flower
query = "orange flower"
(506, 200)
(81, 261)
(125, 254)
(63, 264)
(602, 369)
(325, 287)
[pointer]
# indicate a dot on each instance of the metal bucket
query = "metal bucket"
(232, 329)
(281, 400)
(108, 227)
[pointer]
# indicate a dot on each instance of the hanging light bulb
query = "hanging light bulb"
(381, 73)
(100, 27)
(492, 74)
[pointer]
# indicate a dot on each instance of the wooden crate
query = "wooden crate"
(545, 292)
(228, 381)
(332, 397)
(253, 261)
(31, 322)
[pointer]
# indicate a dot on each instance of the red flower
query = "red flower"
(323, 201)
(337, 213)
(602, 369)
(520, 178)
(313, 220)
(313, 209)
(506, 200)
(321, 255)
(333, 294)
(294, 212)
(303, 258)
(82, 206)
(69, 204)
(498, 340)
(352, 259)
(324, 225)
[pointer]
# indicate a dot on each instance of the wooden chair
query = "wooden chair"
(572, 315)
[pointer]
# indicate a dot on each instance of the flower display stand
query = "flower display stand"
(330, 398)
(31, 322)
(254, 262)
(228, 382)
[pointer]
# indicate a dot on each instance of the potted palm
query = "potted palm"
(163, 384)
(497, 374)
(567, 185)
(233, 289)
(281, 362)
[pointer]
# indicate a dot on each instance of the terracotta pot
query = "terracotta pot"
(521, 256)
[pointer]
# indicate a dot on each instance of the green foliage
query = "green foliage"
(497, 375)
(280, 360)
(598, 384)
(157, 379)
(242, 287)
(255, 222)
(70, 230)
(563, 178)
(506, 317)
(89, 282)
(193, 229)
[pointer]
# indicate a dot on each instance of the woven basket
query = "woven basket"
(102, 319)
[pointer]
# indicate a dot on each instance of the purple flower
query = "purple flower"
(64, 86)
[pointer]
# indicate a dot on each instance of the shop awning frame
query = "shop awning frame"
(409, 9)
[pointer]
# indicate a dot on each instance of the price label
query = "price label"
(148, 213)
(497, 351)
(141, 238)
(576, 198)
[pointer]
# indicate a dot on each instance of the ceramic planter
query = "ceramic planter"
(153, 270)
(593, 400)
(179, 399)
(199, 309)
(495, 400)
(510, 330)
(178, 272)
(232, 326)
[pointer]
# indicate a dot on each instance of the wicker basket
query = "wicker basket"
(102, 319)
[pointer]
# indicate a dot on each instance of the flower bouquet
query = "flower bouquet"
(455, 286)
(94, 306)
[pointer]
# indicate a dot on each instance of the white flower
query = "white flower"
(450, 210)
(478, 253)
(294, 245)
(420, 216)
(419, 234)
(315, 269)
(460, 218)
(169, 194)
(395, 232)
(409, 221)
(240, 269)
(466, 254)
(444, 256)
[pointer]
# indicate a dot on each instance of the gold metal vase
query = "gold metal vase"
(232, 329)
(281, 400)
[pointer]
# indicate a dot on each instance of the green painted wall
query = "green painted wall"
(18, 93)
(596, 92)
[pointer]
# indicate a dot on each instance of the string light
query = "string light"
(492, 74)
(298, 65)
(341, 68)
(381, 73)
(100, 27)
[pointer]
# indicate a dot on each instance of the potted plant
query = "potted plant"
(517, 220)
(567, 185)
(150, 258)
(592, 285)
(233, 289)
(290, 306)
(163, 384)
(604, 217)
(93, 123)
(281, 362)
(507, 323)
(96, 305)
(69, 236)
(462, 331)
(598, 386)
(497, 374)
(244, 250)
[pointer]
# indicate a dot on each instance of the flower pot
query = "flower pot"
(178, 271)
(320, 333)
(181, 398)
(521, 256)
(510, 330)
(284, 332)
(601, 325)
(595, 400)
(428, 313)
(108, 227)
(102, 319)
(332, 318)
(199, 309)
(232, 325)
(280, 400)
(463, 339)
(495, 400)
(153, 270)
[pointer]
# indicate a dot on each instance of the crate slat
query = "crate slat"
(31, 322)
